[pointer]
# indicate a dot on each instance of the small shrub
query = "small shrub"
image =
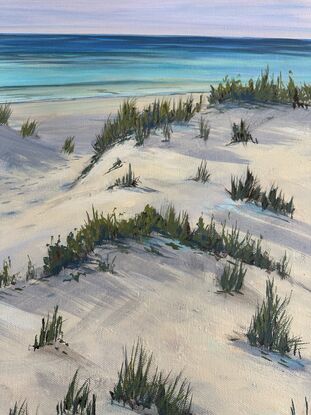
(247, 189)
(270, 326)
(29, 128)
(202, 175)
(107, 265)
(232, 278)
(204, 129)
(128, 180)
(51, 330)
(293, 408)
(5, 114)
(69, 145)
(19, 409)
(139, 384)
(274, 200)
(78, 400)
(31, 272)
(241, 134)
(6, 277)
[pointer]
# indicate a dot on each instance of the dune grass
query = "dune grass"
(19, 409)
(127, 180)
(106, 265)
(204, 129)
(271, 325)
(31, 271)
(98, 229)
(29, 128)
(51, 330)
(139, 383)
(202, 174)
(266, 88)
(250, 190)
(6, 276)
(232, 278)
(293, 408)
(78, 400)
(241, 133)
(69, 145)
(5, 114)
(130, 122)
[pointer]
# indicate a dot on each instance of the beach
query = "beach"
(169, 301)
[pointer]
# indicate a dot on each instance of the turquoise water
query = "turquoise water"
(50, 67)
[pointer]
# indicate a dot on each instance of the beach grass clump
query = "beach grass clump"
(51, 330)
(29, 128)
(293, 408)
(31, 271)
(6, 276)
(130, 123)
(139, 384)
(266, 88)
(241, 133)
(78, 400)
(283, 267)
(204, 129)
(127, 180)
(19, 409)
(69, 145)
(274, 200)
(202, 174)
(249, 189)
(5, 114)
(270, 327)
(116, 165)
(106, 265)
(167, 132)
(232, 278)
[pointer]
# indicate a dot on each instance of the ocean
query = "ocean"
(62, 67)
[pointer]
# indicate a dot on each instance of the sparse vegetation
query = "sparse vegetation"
(293, 408)
(132, 123)
(21, 409)
(31, 272)
(69, 145)
(5, 114)
(250, 190)
(241, 133)
(99, 228)
(167, 131)
(283, 267)
(116, 165)
(202, 175)
(78, 400)
(141, 384)
(265, 89)
(232, 278)
(204, 129)
(107, 265)
(127, 180)
(270, 326)
(51, 330)
(29, 128)
(6, 276)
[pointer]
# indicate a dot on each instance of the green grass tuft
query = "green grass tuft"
(128, 180)
(139, 384)
(5, 114)
(6, 276)
(21, 409)
(51, 330)
(29, 128)
(69, 145)
(270, 326)
(202, 175)
(265, 89)
(241, 134)
(232, 278)
(78, 400)
(204, 129)
(106, 265)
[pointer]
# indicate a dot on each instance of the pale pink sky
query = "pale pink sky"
(260, 18)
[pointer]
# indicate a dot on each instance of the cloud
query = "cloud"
(275, 18)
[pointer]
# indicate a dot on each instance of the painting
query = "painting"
(155, 205)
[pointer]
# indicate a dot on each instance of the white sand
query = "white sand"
(169, 301)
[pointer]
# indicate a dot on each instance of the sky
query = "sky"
(251, 18)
